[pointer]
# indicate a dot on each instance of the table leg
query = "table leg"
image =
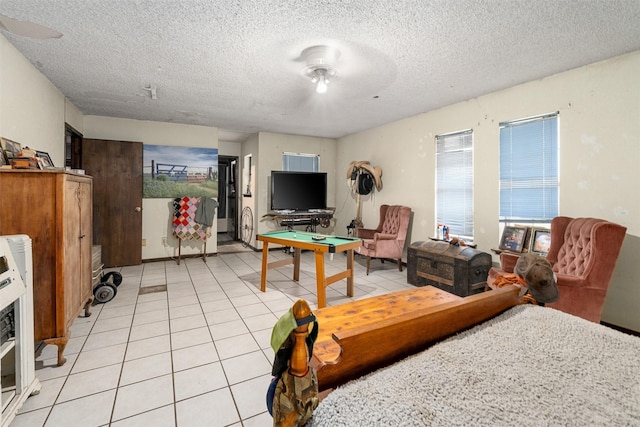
(320, 280)
(296, 264)
(350, 269)
(265, 258)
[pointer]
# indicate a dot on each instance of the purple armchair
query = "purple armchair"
(583, 254)
(388, 239)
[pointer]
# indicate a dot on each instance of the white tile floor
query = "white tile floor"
(197, 354)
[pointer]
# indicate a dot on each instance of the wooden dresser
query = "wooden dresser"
(54, 208)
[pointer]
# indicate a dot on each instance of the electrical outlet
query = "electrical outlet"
(144, 242)
(164, 242)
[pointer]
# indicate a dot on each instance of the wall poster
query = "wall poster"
(171, 172)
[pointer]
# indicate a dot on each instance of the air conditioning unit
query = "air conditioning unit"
(17, 368)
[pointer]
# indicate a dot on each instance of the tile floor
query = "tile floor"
(197, 354)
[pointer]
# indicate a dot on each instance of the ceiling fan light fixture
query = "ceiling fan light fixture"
(321, 86)
(320, 65)
(320, 79)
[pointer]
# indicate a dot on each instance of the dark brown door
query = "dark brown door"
(116, 168)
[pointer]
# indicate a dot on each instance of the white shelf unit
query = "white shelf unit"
(17, 367)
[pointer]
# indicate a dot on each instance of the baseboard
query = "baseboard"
(209, 254)
(621, 329)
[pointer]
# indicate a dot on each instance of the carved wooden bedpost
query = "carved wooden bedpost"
(299, 363)
(296, 393)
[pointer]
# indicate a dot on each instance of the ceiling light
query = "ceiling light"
(320, 65)
(320, 76)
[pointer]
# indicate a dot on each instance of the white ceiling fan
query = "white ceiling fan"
(27, 29)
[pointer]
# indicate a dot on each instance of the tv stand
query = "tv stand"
(309, 219)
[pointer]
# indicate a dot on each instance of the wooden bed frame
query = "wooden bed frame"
(513, 364)
(359, 337)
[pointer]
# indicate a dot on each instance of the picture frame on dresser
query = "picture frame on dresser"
(44, 159)
(540, 241)
(513, 238)
(10, 149)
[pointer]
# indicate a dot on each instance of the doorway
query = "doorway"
(227, 200)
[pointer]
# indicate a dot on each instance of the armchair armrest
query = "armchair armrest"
(508, 261)
(365, 233)
(382, 236)
(571, 281)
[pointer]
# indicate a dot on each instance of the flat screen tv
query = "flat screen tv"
(299, 191)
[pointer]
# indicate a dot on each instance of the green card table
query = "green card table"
(300, 241)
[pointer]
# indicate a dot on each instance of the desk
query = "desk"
(299, 240)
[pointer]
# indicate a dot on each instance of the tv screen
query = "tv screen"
(300, 191)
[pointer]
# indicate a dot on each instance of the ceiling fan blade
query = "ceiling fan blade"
(28, 29)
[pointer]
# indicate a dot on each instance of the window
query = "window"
(454, 183)
(529, 170)
(297, 162)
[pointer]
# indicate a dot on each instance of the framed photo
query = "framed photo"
(44, 159)
(10, 149)
(513, 237)
(540, 241)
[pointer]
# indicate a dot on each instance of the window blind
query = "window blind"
(297, 162)
(454, 182)
(529, 178)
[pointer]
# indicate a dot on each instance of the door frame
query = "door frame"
(227, 160)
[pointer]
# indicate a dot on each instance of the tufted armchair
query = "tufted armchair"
(583, 254)
(388, 239)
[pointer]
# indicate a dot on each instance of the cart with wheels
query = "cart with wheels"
(105, 286)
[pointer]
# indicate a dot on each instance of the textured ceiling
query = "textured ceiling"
(237, 64)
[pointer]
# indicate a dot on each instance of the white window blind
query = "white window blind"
(299, 162)
(529, 170)
(454, 182)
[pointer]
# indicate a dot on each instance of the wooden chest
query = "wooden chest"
(460, 270)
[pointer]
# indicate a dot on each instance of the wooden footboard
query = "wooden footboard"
(368, 345)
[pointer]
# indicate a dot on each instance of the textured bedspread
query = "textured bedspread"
(530, 366)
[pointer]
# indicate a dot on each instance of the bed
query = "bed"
(528, 365)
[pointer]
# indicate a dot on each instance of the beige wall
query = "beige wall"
(250, 149)
(73, 116)
(32, 110)
(272, 146)
(599, 109)
(156, 212)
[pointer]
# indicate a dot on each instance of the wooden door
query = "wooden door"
(116, 167)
